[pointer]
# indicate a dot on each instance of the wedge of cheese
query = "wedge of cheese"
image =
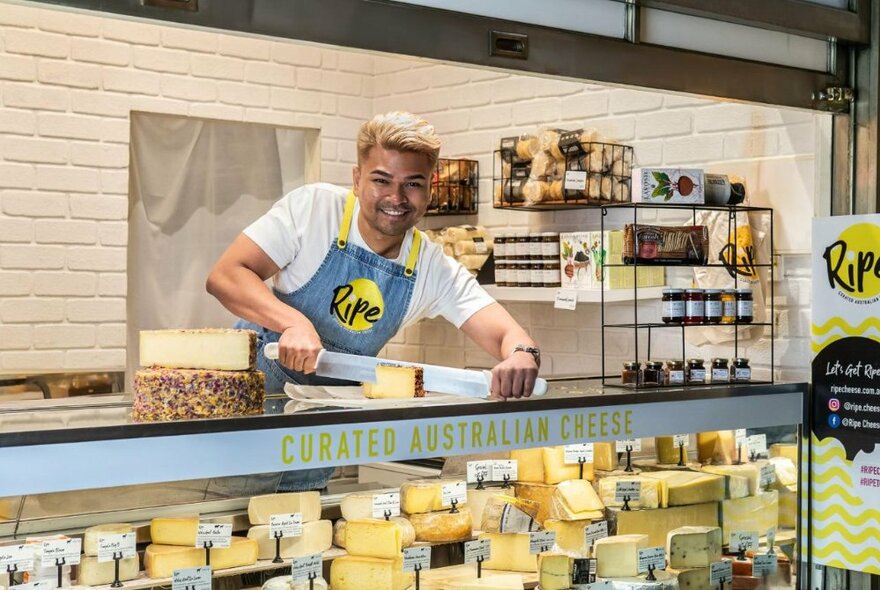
(570, 535)
(352, 572)
(443, 526)
(689, 487)
(605, 456)
(160, 561)
(396, 382)
(693, 546)
(789, 450)
(693, 578)
(423, 495)
(215, 349)
(510, 552)
(261, 508)
(755, 513)
(667, 451)
(373, 538)
(174, 531)
(652, 491)
(477, 502)
(317, 537)
(557, 470)
(508, 514)
(657, 523)
(618, 557)
(530, 464)
(554, 571)
(736, 484)
(93, 573)
(751, 472)
(541, 493)
(576, 500)
(786, 472)
(93, 533)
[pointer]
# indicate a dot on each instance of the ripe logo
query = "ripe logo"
(357, 305)
(852, 264)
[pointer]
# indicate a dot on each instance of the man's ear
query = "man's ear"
(355, 178)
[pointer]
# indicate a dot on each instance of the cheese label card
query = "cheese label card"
(757, 444)
(764, 565)
(575, 180)
(192, 578)
(286, 525)
(112, 547)
(768, 475)
(566, 299)
(541, 542)
(477, 470)
(307, 567)
(741, 439)
(653, 556)
(62, 552)
(417, 556)
(743, 541)
(17, 557)
(580, 453)
(680, 440)
(627, 490)
(500, 468)
(453, 491)
(478, 550)
(594, 532)
(41, 585)
(720, 571)
(631, 444)
(215, 536)
(386, 505)
(508, 143)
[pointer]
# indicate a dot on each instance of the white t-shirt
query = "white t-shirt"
(298, 230)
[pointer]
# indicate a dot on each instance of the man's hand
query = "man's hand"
(299, 346)
(515, 376)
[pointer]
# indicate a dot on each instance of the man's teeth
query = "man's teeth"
(394, 212)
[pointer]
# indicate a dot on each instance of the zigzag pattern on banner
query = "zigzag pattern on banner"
(846, 327)
(836, 492)
(830, 474)
(817, 347)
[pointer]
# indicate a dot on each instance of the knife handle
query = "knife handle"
(270, 351)
(538, 390)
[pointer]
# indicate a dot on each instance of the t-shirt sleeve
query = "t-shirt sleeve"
(278, 232)
(456, 294)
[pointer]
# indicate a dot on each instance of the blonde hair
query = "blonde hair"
(399, 131)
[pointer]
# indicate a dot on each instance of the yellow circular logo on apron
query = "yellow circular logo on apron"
(357, 305)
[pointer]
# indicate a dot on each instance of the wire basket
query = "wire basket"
(454, 187)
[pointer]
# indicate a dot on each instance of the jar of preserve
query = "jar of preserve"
(720, 371)
(728, 306)
(536, 273)
(535, 246)
(551, 275)
(694, 306)
(653, 373)
(696, 372)
(675, 373)
(673, 306)
(500, 246)
(521, 245)
(740, 371)
(523, 272)
(744, 306)
(631, 373)
(550, 245)
(712, 306)
(501, 272)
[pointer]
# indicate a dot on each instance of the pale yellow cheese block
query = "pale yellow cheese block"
(317, 537)
(569, 534)
(693, 578)
(690, 487)
(442, 526)
(339, 532)
(706, 446)
(423, 495)
(508, 514)
(667, 451)
(357, 506)
(491, 582)
(395, 382)
(751, 472)
(160, 561)
(786, 472)
(605, 456)
(373, 538)
(579, 496)
(618, 557)
(559, 510)
(93, 533)
(477, 502)
(556, 470)
(407, 531)
(693, 546)
(657, 523)
(92, 573)
(261, 508)
(737, 483)
(510, 552)
(541, 493)
(789, 450)
(530, 464)
(179, 531)
(554, 571)
(352, 572)
(755, 513)
(212, 349)
(652, 492)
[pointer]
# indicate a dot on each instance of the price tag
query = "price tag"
(575, 180)
(453, 491)
(193, 578)
(17, 557)
(634, 444)
(740, 435)
(764, 565)
(653, 556)
(476, 469)
(594, 532)
(110, 547)
(574, 454)
(680, 440)
(768, 474)
(417, 556)
(720, 571)
(743, 541)
(566, 299)
(307, 567)
(63, 552)
(757, 444)
(541, 542)
(41, 585)
(286, 525)
(383, 503)
(215, 536)
(500, 468)
(477, 550)
(627, 489)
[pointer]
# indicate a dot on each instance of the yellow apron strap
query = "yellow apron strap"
(347, 216)
(413, 256)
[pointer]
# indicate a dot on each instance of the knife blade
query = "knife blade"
(437, 378)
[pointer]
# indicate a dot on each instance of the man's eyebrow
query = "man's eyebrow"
(387, 175)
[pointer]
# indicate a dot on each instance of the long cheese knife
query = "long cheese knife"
(353, 367)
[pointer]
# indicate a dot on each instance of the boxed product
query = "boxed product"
(659, 186)
(576, 259)
(622, 277)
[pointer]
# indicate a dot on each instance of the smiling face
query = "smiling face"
(394, 190)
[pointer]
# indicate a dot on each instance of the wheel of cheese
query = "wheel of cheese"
(407, 531)
(527, 146)
(442, 527)
(543, 165)
(535, 191)
(556, 190)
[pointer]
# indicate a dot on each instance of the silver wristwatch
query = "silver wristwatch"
(535, 352)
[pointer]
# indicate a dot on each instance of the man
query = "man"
(350, 270)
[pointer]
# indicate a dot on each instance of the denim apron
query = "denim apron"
(357, 301)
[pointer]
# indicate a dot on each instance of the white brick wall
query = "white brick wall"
(68, 81)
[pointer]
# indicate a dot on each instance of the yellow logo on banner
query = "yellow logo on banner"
(357, 305)
(853, 262)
